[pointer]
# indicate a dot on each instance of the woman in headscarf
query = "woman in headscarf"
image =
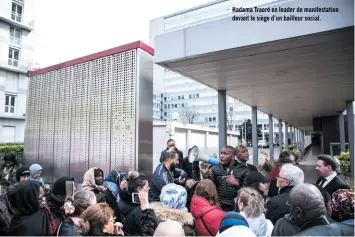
(35, 174)
(74, 207)
(93, 181)
(32, 217)
(115, 181)
(172, 206)
(57, 197)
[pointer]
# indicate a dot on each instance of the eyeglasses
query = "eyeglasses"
(278, 177)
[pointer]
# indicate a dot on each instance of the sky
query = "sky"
(68, 29)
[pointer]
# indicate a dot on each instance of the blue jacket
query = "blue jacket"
(161, 177)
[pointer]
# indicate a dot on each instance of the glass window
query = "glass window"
(16, 14)
(13, 57)
(10, 104)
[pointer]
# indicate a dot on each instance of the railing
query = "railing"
(16, 17)
(15, 40)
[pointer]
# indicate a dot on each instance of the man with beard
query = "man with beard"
(225, 179)
(172, 146)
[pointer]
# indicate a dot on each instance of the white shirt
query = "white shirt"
(329, 178)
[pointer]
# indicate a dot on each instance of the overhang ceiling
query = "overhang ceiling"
(294, 79)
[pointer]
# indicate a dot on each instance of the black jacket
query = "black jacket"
(67, 228)
(192, 169)
(135, 221)
(320, 227)
(107, 197)
(276, 207)
(6, 212)
(226, 192)
(181, 157)
(334, 185)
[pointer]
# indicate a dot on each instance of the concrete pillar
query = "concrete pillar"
(271, 137)
(351, 131)
(286, 136)
(222, 118)
(280, 135)
(206, 143)
(188, 135)
(341, 131)
(254, 121)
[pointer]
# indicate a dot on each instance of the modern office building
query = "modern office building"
(178, 97)
(16, 58)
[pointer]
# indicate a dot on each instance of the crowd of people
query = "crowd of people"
(182, 199)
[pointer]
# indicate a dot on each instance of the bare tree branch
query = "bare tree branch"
(189, 114)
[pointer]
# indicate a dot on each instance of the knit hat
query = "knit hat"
(22, 171)
(232, 219)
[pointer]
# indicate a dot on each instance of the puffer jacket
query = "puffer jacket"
(161, 177)
(182, 216)
(6, 211)
(207, 217)
(227, 192)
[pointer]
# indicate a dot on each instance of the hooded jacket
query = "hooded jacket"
(182, 216)
(207, 217)
(33, 170)
(259, 225)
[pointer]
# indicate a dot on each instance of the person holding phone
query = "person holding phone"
(129, 206)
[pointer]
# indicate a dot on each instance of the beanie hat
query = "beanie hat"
(22, 171)
(232, 219)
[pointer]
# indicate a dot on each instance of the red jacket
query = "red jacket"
(207, 217)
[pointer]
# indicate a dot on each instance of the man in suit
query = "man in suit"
(329, 179)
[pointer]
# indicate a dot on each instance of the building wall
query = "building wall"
(179, 94)
(13, 80)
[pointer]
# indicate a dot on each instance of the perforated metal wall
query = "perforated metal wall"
(80, 114)
(46, 127)
(62, 122)
(123, 123)
(32, 121)
(88, 115)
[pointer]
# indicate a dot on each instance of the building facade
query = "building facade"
(16, 58)
(188, 101)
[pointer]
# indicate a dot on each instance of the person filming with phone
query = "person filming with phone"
(132, 211)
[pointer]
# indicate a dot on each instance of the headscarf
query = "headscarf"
(89, 182)
(33, 170)
(32, 218)
(113, 181)
(173, 196)
(343, 204)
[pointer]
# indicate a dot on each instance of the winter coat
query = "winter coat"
(182, 216)
(276, 207)
(69, 228)
(6, 211)
(259, 225)
(161, 177)
(134, 220)
(207, 217)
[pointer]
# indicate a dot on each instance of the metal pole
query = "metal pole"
(271, 137)
(350, 118)
(341, 132)
(222, 118)
(254, 117)
(286, 136)
(280, 135)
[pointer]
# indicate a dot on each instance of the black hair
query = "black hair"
(170, 140)
(328, 160)
(169, 154)
(97, 172)
(285, 157)
(325, 194)
(231, 148)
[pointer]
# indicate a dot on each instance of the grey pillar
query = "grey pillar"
(280, 135)
(254, 121)
(222, 118)
(341, 131)
(351, 131)
(286, 136)
(271, 138)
